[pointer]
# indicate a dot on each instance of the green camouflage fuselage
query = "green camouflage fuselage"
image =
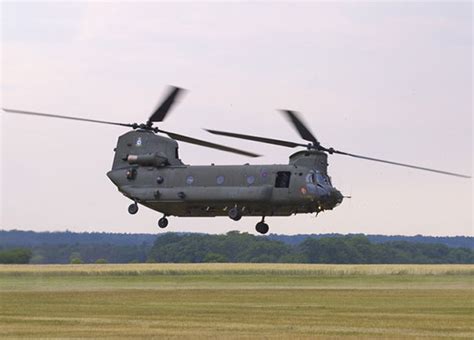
(147, 169)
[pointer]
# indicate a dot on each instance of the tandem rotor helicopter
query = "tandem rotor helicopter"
(147, 169)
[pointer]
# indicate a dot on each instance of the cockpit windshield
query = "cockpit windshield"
(322, 179)
(315, 177)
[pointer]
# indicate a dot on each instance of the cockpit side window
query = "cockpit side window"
(311, 178)
(322, 179)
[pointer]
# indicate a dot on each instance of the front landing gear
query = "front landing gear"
(163, 222)
(133, 208)
(262, 227)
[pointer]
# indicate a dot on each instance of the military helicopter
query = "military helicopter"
(147, 169)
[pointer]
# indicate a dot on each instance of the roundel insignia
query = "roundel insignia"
(303, 190)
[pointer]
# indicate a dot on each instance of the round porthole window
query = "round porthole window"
(189, 180)
(220, 180)
(250, 180)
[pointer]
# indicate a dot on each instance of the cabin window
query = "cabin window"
(220, 180)
(282, 179)
(189, 180)
(250, 180)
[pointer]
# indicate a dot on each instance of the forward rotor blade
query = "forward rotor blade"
(256, 138)
(302, 129)
(397, 163)
(66, 117)
(208, 144)
(163, 109)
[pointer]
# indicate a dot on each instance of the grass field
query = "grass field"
(237, 300)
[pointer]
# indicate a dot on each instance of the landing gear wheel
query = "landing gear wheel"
(262, 227)
(235, 214)
(163, 222)
(133, 208)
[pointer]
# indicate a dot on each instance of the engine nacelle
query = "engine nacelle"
(150, 159)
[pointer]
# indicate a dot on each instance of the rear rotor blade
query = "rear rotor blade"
(302, 129)
(66, 117)
(208, 144)
(256, 138)
(331, 150)
(163, 109)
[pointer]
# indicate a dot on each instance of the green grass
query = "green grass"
(236, 300)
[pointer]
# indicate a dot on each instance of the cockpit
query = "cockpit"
(317, 178)
(321, 187)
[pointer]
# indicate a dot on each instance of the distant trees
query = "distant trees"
(358, 249)
(79, 253)
(243, 247)
(20, 238)
(231, 247)
(15, 256)
(89, 253)
(75, 258)
(450, 241)
(214, 257)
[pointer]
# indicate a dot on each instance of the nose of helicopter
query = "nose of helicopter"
(337, 196)
(331, 198)
(334, 198)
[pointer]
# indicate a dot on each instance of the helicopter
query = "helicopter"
(147, 169)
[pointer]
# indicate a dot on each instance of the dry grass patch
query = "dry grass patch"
(236, 301)
(236, 269)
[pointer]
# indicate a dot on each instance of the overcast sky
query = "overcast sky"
(388, 80)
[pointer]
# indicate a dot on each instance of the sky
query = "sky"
(389, 80)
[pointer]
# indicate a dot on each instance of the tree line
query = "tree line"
(15, 256)
(243, 247)
(76, 253)
(239, 247)
(22, 238)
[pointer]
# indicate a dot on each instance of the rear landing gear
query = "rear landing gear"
(133, 208)
(163, 222)
(262, 227)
